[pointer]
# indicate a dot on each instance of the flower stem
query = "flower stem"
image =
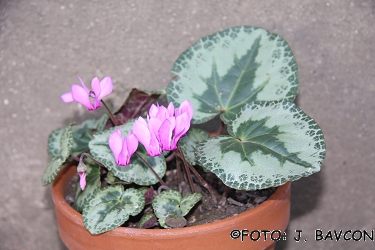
(110, 114)
(179, 177)
(200, 178)
(152, 170)
(92, 158)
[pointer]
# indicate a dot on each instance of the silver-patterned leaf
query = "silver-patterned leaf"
(111, 207)
(270, 143)
(136, 171)
(61, 141)
(190, 141)
(54, 142)
(83, 133)
(220, 73)
(51, 171)
(170, 202)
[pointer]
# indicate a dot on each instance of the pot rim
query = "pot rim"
(59, 190)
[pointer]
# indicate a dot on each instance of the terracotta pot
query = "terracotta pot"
(273, 214)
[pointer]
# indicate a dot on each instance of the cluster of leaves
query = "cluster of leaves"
(245, 75)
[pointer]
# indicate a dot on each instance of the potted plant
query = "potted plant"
(151, 166)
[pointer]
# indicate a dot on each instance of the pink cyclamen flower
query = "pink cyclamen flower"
(89, 98)
(82, 171)
(164, 127)
(146, 133)
(82, 180)
(161, 112)
(176, 127)
(122, 148)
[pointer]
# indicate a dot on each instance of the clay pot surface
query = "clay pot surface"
(272, 214)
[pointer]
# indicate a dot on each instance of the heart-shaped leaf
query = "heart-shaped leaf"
(175, 221)
(92, 186)
(136, 171)
(270, 143)
(111, 207)
(83, 133)
(59, 144)
(170, 202)
(190, 141)
(221, 72)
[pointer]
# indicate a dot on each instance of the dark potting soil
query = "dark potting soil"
(232, 203)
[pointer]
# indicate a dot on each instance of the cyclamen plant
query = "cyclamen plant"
(246, 76)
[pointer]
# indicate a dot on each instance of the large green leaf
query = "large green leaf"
(136, 171)
(270, 143)
(61, 142)
(221, 72)
(190, 141)
(111, 207)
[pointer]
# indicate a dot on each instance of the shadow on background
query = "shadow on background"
(306, 194)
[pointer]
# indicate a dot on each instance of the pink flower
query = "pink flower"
(122, 148)
(82, 180)
(146, 133)
(82, 171)
(89, 98)
(164, 127)
(161, 112)
(176, 127)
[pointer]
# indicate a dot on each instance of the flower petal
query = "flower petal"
(123, 158)
(132, 143)
(185, 107)
(83, 85)
(115, 144)
(106, 87)
(171, 109)
(154, 125)
(82, 180)
(67, 97)
(80, 95)
(154, 148)
(95, 85)
(165, 133)
(182, 126)
(142, 132)
(153, 110)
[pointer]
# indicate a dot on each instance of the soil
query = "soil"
(232, 203)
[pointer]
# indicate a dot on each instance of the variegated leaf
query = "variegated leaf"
(83, 133)
(111, 207)
(190, 141)
(148, 221)
(270, 143)
(61, 141)
(221, 72)
(170, 202)
(136, 171)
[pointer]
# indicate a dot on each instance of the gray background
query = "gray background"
(45, 45)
